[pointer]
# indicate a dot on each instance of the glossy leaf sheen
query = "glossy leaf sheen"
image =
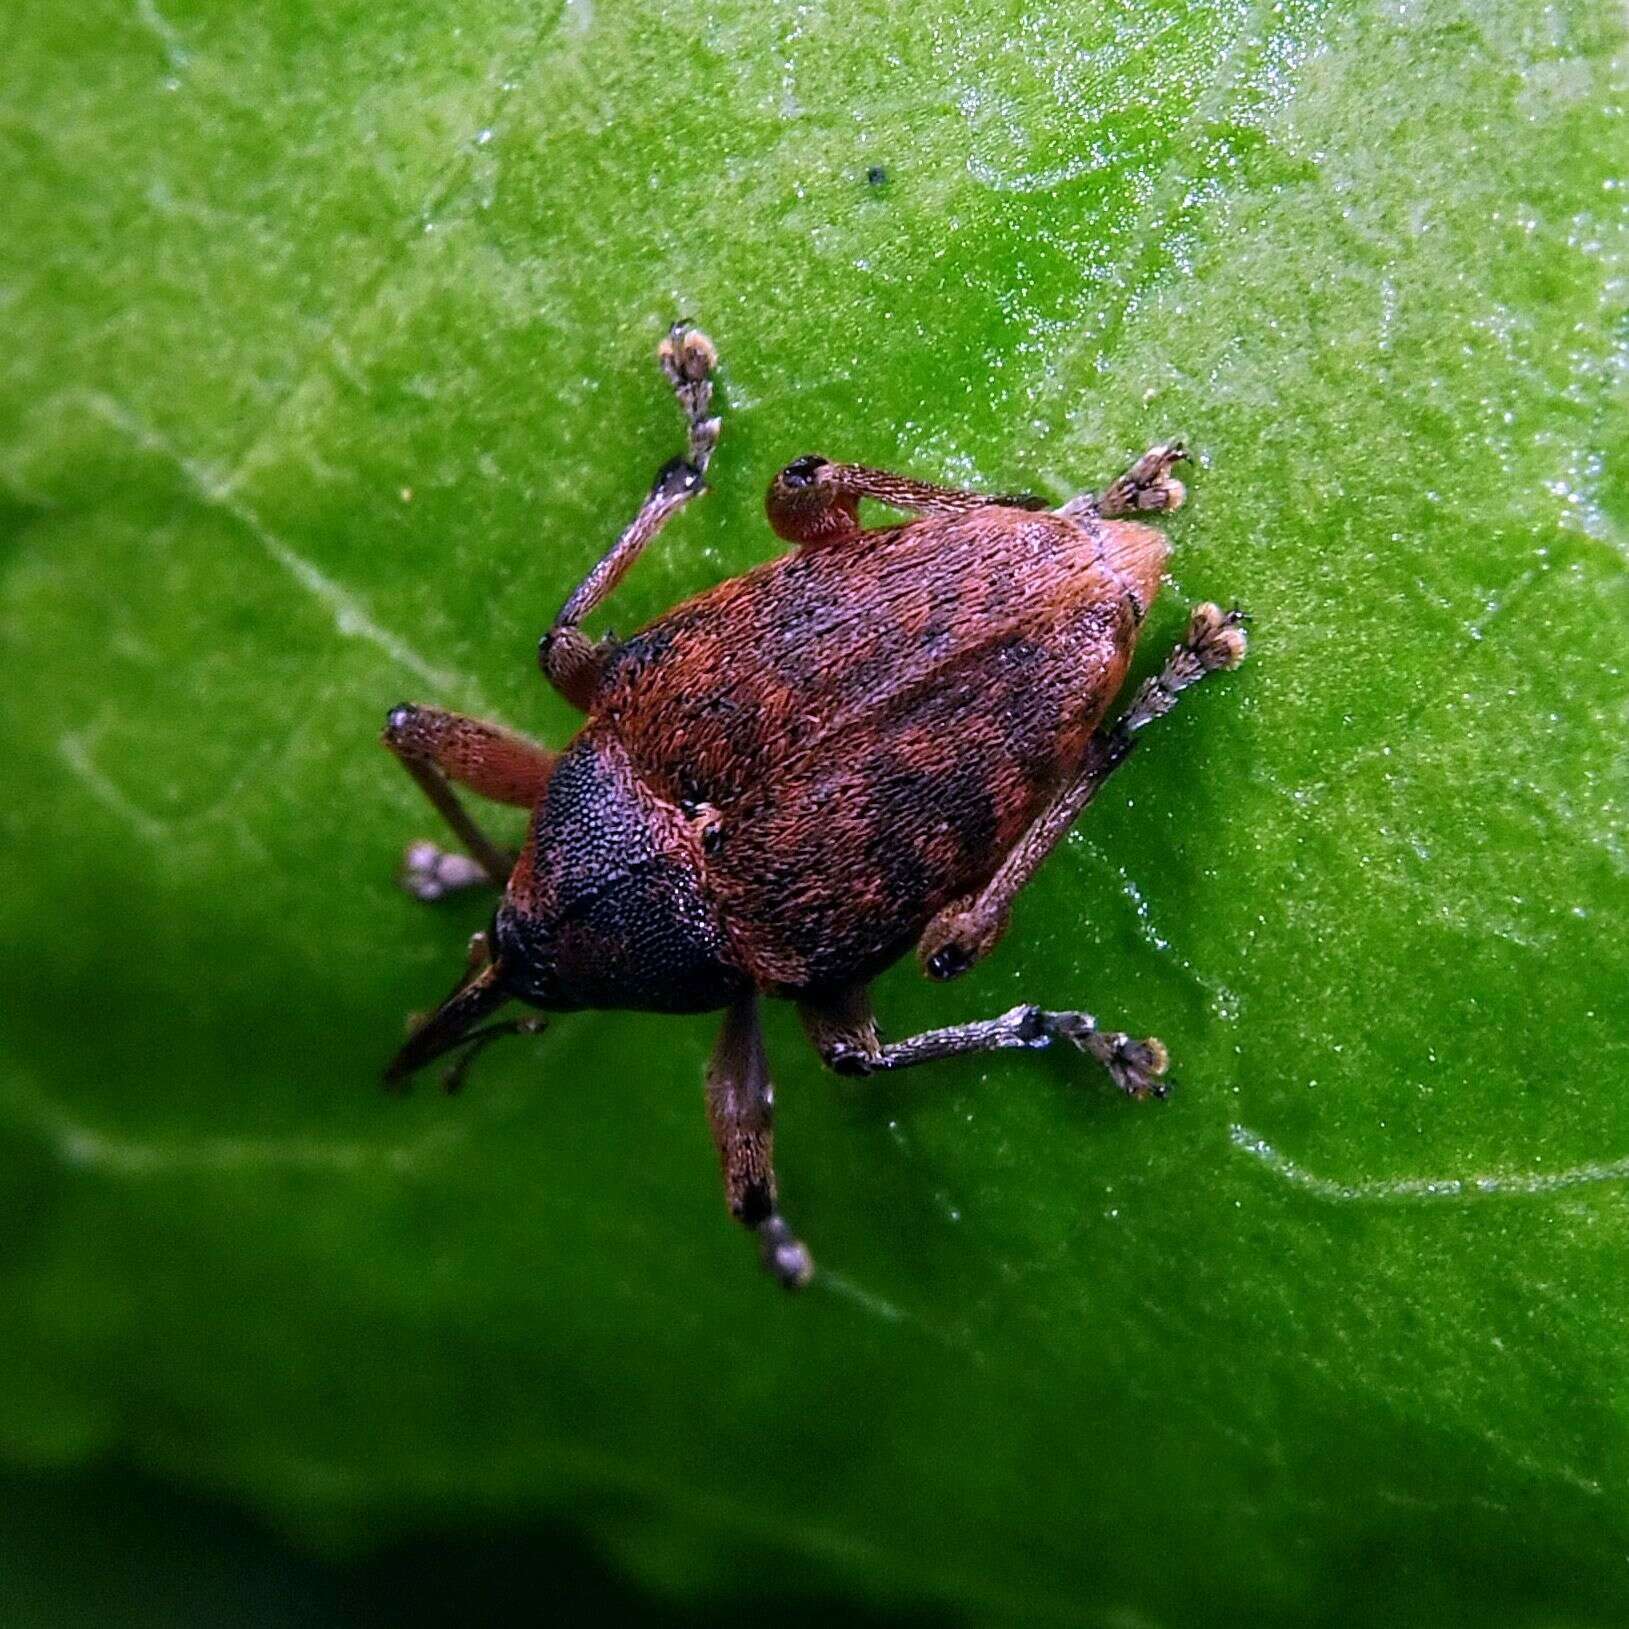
(328, 373)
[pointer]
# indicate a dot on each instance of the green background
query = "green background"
(328, 370)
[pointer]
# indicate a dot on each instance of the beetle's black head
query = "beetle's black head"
(524, 953)
(612, 914)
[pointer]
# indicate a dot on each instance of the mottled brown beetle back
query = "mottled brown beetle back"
(784, 783)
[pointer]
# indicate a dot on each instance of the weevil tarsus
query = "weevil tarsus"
(1148, 487)
(430, 873)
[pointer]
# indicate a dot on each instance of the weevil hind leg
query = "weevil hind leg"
(843, 1029)
(967, 931)
(572, 662)
(740, 1110)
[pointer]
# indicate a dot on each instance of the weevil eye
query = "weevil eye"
(801, 471)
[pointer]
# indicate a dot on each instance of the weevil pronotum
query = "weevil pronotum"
(784, 783)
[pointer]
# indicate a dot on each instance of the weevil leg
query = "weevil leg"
(571, 660)
(843, 1029)
(1147, 487)
(740, 1109)
(966, 932)
(438, 748)
(816, 503)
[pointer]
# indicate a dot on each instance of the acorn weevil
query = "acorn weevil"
(784, 783)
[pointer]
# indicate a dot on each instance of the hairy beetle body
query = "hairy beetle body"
(876, 723)
(784, 783)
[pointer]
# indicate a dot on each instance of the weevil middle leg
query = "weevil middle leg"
(740, 1109)
(967, 931)
(571, 660)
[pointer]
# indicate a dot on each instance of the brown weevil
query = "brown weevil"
(869, 743)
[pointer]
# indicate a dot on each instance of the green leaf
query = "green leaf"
(329, 372)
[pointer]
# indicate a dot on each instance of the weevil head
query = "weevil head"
(606, 907)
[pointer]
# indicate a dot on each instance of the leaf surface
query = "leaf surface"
(330, 374)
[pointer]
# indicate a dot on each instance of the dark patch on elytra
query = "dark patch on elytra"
(1026, 698)
(967, 805)
(902, 804)
(800, 638)
(1001, 590)
(748, 751)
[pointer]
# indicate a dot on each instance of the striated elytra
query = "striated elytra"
(782, 785)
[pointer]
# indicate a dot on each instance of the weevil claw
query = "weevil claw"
(429, 872)
(1135, 1064)
(785, 1256)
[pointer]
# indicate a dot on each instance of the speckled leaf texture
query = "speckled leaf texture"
(328, 370)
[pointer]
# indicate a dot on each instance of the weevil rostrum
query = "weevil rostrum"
(780, 786)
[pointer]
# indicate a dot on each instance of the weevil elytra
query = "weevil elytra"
(784, 783)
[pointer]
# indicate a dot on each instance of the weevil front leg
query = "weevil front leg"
(969, 930)
(843, 1029)
(438, 748)
(740, 1109)
(572, 661)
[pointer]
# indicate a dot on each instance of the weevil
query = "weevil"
(783, 784)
